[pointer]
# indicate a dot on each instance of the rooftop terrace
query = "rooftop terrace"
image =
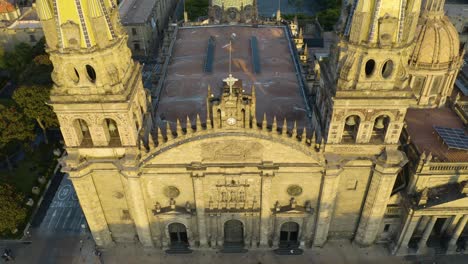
(421, 124)
(277, 85)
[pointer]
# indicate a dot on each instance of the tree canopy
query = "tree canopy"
(14, 127)
(196, 8)
(32, 99)
(12, 210)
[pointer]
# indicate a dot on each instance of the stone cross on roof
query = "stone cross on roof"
(230, 80)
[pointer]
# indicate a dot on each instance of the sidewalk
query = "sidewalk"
(335, 252)
(66, 250)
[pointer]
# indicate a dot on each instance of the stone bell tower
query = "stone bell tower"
(100, 103)
(371, 95)
(372, 90)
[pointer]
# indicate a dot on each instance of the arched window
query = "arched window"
(351, 128)
(82, 133)
(380, 129)
(113, 130)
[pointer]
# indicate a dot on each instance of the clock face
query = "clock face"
(231, 121)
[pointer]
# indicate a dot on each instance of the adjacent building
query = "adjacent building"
(235, 150)
(145, 21)
(457, 12)
(18, 25)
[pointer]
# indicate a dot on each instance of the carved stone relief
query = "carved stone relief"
(231, 150)
(171, 192)
(294, 190)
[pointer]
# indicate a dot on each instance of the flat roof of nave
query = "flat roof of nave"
(277, 86)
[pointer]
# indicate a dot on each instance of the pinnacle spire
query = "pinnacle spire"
(179, 130)
(284, 128)
(264, 122)
(274, 127)
(188, 126)
(198, 125)
(294, 130)
(160, 137)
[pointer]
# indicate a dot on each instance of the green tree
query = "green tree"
(32, 99)
(328, 18)
(12, 211)
(18, 59)
(15, 128)
(196, 8)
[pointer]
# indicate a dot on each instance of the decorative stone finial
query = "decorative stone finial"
(264, 122)
(179, 130)
(284, 128)
(198, 123)
(294, 131)
(188, 126)
(160, 137)
(274, 127)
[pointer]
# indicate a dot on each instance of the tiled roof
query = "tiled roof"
(7, 6)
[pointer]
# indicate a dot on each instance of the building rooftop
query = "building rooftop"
(7, 6)
(421, 124)
(277, 87)
(136, 11)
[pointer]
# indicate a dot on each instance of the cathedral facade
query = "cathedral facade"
(234, 149)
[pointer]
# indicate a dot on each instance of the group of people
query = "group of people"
(7, 256)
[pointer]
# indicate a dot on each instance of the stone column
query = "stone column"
(331, 178)
(265, 213)
(198, 179)
(405, 236)
(452, 245)
(386, 170)
(91, 205)
(422, 245)
(138, 208)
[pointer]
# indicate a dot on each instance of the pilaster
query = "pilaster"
(138, 209)
(91, 205)
(267, 174)
(331, 178)
(198, 182)
(386, 170)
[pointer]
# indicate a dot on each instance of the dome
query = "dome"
(437, 43)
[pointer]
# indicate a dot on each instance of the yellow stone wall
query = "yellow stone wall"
(232, 3)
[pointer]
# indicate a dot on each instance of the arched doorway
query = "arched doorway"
(178, 234)
(233, 233)
(289, 234)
